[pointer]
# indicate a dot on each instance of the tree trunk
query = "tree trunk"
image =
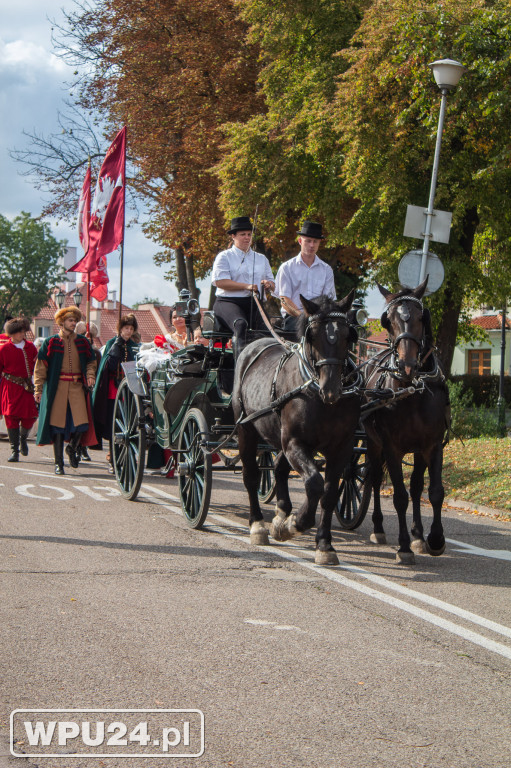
(212, 296)
(448, 328)
(181, 279)
(190, 276)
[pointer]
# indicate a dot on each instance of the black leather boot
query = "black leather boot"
(23, 441)
(14, 439)
(84, 453)
(58, 452)
(73, 448)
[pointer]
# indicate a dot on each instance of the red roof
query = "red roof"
(490, 322)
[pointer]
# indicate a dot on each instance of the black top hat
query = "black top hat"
(240, 224)
(311, 229)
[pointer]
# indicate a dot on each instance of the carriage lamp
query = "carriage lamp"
(77, 297)
(447, 74)
(60, 298)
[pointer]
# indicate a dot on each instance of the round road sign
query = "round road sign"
(410, 268)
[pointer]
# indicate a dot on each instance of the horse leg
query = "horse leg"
(282, 469)
(376, 470)
(302, 461)
(416, 488)
(404, 554)
(247, 444)
(325, 553)
(435, 543)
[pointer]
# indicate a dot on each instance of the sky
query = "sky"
(33, 87)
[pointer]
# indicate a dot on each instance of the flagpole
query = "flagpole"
(123, 225)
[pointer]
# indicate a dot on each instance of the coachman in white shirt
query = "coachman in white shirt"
(237, 274)
(305, 274)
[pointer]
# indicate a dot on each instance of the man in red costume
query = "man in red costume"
(17, 404)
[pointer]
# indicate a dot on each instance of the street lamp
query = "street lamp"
(77, 297)
(447, 74)
(60, 298)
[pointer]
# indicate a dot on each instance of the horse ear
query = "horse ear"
(384, 292)
(385, 322)
(345, 304)
(419, 291)
(310, 307)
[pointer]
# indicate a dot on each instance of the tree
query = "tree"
(29, 265)
(387, 111)
(147, 300)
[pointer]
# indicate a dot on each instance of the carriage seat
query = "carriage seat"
(213, 327)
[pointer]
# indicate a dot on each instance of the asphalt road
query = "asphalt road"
(110, 604)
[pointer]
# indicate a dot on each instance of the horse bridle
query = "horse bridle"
(317, 364)
(406, 334)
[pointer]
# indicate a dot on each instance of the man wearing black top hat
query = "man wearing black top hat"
(305, 274)
(238, 272)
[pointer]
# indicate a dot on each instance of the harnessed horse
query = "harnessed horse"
(301, 400)
(415, 424)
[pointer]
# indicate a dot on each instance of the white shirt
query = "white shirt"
(20, 345)
(295, 277)
(235, 264)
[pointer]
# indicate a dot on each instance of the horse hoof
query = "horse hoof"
(435, 552)
(405, 558)
(259, 534)
(378, 538)
(418, 546)
(326, 558)
(283, 528)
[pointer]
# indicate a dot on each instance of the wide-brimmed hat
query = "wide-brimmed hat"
(71, 311)
(240, 224)
(311, 229)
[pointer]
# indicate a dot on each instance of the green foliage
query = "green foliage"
(483, 390)
(147, 300)
(29, 265)
(469, 420)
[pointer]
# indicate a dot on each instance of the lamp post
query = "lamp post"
(77, 297)
(501, 403)
(447, 74)
(60, 298)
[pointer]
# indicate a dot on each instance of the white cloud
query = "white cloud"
(32, 60)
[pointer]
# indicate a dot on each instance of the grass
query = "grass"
(477, 471)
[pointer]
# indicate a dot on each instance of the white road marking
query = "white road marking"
(89, 492)
(333, 575)
(23, 491)
(469, 549)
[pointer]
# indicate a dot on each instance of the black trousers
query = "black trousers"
(236, 313)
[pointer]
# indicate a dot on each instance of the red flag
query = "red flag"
(84, 212)
(106, 225)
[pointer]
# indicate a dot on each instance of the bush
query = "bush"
(484, 389)
(469, 420)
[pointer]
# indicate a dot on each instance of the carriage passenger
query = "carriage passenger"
(119, 349)
(238, 273)
(305, 274)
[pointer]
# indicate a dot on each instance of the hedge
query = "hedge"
(484, 389)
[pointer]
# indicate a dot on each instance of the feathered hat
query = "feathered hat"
(61, 314)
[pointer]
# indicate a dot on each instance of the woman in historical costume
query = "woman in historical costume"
(65, 372)
(17, 404)
(120, 349)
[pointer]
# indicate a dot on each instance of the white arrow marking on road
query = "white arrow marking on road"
(469, 549)
(23, 491)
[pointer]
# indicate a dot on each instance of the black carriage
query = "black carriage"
(184, 407)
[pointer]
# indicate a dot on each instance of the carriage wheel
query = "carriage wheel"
(129, 441)
(265, 462)
(354, 489)
(194, 469)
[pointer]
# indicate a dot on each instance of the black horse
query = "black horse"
(415, 424)
(318, 408)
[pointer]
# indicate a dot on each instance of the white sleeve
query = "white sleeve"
(330, 284)
(221, 269)
(268, 275)
(283, 285)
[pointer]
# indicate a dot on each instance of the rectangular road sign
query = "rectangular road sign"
(415, 223)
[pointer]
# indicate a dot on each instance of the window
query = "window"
(43, 331)
(479, 362)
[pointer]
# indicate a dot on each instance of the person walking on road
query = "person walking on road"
(305, 274)
(64, 373)
(17, 403)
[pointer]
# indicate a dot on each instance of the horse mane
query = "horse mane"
(325, 304)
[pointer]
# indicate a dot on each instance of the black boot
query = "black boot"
(73, 448)
(23, 441)
(58, 451)
(84, 453)
(14, 439)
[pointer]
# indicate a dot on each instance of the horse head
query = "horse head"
(409, 327)
(326, 336)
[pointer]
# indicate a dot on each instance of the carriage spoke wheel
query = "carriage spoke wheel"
(194, 468)
(129, 441)
(266, 490)
(354, 489)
